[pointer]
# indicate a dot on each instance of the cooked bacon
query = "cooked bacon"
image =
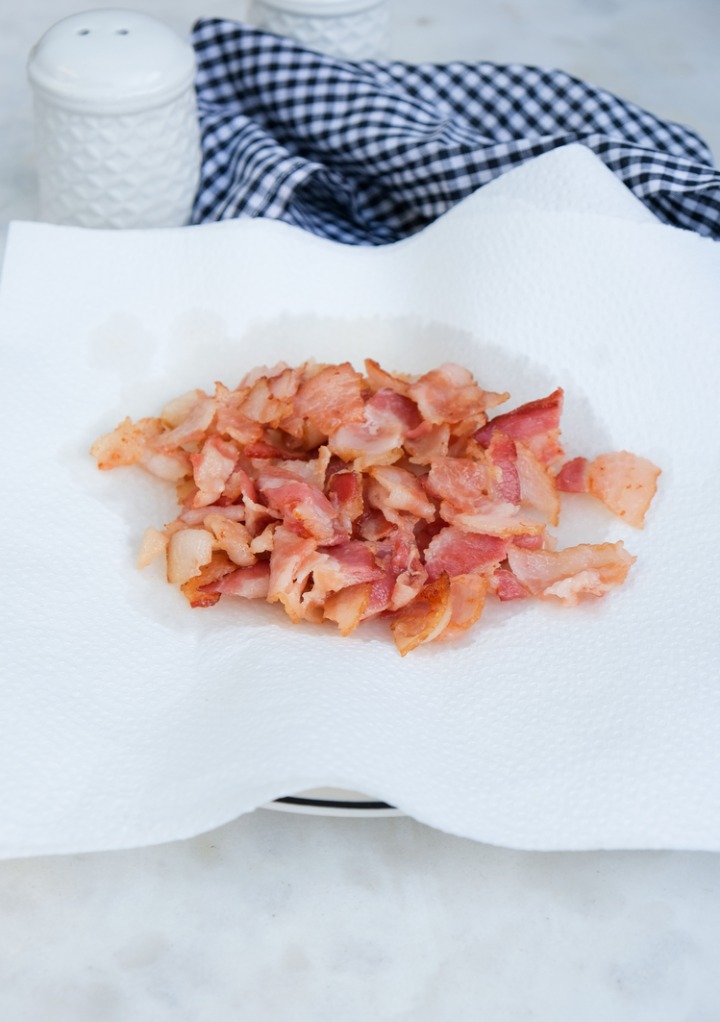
(399, 557)
(269, 396)
(502, 452)
(567, 574)
(536, 423)
(465, 484)
(467, 600)
(347, 606)
(506, 586)
(232, 537)
(425, 618)
(455, 552)
(427, 443)
(154, 543)
(212, 468)
(376, 439)
(331, 398)
(450, 394)
(345, 497)
(251, 583)
(188, 550)
(538, 491)
(126, 444)
(303, 506)
(573, 477)
(399, 489)
(192, 427)
(195, 591)
(380, 379)
(494, 520)
(625, 483)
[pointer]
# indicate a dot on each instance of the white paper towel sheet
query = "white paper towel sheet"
(127, 718)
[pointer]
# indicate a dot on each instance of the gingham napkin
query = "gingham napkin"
(370, 152)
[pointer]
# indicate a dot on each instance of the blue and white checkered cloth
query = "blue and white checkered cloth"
(369, 152)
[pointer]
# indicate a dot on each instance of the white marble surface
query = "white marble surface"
(285, 917)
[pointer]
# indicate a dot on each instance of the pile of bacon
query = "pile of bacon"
(344, 496)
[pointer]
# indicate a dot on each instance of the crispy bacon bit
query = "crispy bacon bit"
(567, 574)
(400, 490)
(573, 476)
(450, 394)
(536, 423)
(345, 497)
(126, 444)
(346, 606)
(425, 618)
(154, 543)
(331, 398)
(251, 583)
(196, 589)
(625, 483)
(188, 550)
(455, 552)
(467, 599)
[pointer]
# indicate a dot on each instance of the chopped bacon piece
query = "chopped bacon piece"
(450, 394)
(153, 544)
(573, 477)
(464, 483)
(302, 505)
(538, 491)
(193, 426)
(212, 468)
(467, 599)
(400, 490)
(625, 483)
(232, 537)
(194, 589)
(377, 438)
(536, 423)
(399, 557)
(506, 586)
(454, 552)
(567, 574)
(427, 443)
(262, 450)
(344, 490)
(126, 444)
(269, 397)
(231, 421)
(188, 550)
(494, 520)
(331, 398)
(380, 379)
(503, 454)
(251, 583)
(347, 606)
(425, 618)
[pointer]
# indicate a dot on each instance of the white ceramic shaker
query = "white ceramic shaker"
(351, 29)
(117, 134)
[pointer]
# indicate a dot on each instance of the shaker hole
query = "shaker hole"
(83, 31)
(121, 31)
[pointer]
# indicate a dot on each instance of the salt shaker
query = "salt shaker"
(351, 29)
(117, 134)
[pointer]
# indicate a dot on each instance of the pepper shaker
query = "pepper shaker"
(351, 29)
(117, 133)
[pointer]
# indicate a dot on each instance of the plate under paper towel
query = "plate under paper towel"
(128, 718)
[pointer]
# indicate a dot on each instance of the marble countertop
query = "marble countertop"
(278, 916)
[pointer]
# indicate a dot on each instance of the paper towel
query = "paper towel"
(128, 718)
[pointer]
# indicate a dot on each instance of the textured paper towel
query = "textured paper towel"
(129, 719)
